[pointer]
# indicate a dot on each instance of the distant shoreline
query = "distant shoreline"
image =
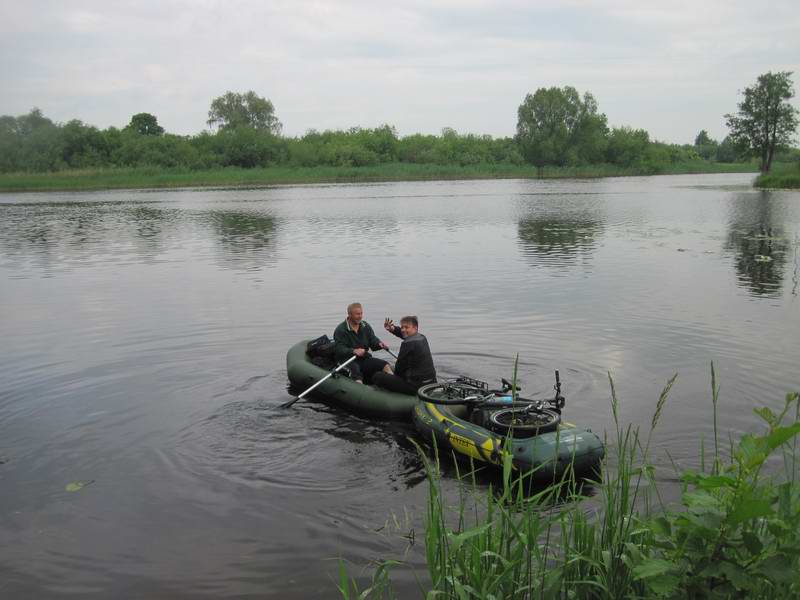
(159, 178)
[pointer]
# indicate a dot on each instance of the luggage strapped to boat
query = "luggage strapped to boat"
(322, 346)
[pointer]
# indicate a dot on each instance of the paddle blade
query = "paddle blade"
(289, 403)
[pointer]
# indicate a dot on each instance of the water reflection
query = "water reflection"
(554, 242)
(77, 233)
(246, 240)
(759, 243)
(44, 235)
(63, 235)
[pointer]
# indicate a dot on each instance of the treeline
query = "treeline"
(33, 142)
(555, 127)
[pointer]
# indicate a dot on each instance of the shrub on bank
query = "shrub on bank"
(783, 176)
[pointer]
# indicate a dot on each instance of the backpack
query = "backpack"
(323, 347)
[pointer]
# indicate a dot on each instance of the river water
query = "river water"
(143, 350)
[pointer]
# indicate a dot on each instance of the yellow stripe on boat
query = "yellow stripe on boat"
(443, 418)
(464, 446)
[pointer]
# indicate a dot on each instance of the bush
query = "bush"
(247, 147)
(626, 146)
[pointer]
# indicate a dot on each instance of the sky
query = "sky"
(671, 68)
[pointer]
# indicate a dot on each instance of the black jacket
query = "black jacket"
(414, 361)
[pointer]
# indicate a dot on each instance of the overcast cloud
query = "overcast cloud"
(670, 68)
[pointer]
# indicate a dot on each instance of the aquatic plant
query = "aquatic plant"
(734, 534)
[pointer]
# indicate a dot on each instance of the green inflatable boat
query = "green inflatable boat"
(466, 417)
(342, 391)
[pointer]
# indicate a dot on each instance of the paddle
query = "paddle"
(328, 376)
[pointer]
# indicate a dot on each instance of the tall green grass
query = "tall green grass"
(783, 176)
(734, 534)
(153, 177)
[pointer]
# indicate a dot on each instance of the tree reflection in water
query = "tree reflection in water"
(558, 242)
(247, 240)
(57, 235)
(758, 243)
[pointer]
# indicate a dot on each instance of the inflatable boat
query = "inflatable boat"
(485, 425)
(343, 391)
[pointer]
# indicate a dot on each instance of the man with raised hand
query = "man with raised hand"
(414, 367)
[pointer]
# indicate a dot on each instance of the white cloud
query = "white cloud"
(85, 22)
(671, 69)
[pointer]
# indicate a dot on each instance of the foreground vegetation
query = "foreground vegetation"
(154, 177)
(735, 534)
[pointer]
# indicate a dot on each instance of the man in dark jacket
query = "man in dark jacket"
(355, 336)
(414, 367)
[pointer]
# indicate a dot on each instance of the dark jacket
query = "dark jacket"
(414, 360)
(348, 340)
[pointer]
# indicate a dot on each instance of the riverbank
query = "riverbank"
(141, 178)
(783, 176)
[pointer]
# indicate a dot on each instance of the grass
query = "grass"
(734, 534)
(138, 178)
(783, 176)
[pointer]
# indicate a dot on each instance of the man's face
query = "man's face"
(408, 329)
(356, 314)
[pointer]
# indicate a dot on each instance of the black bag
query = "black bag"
(323, 346)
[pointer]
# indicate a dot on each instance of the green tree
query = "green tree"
(83, 145)
(627, 147)
(234, 110)
(555, 126)
(30, 142)
(727, 151)
(9, 144)
(34, 120)
(247, 147)
(766, 120)
(705, 146)
(702, 138)
(382, 141)
(145, 124)
(417, 148)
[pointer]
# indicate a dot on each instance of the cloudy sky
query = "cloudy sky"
(671, 68)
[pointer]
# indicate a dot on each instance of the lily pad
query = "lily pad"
(76, 486)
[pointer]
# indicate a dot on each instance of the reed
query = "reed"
(734, 534)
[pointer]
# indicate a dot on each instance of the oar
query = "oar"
(392, 353)
(328, 376)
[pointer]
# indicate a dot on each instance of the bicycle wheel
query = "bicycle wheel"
(523, 423)
(448, 393)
